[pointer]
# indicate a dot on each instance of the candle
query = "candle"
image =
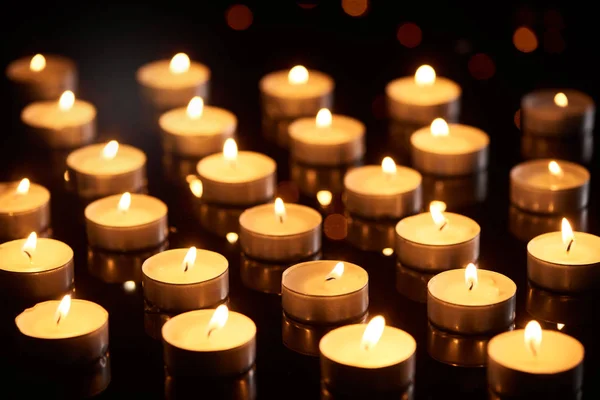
(456, 349)
(185, 279)
(535, 363)
(24, 207)
(126, 222)
(386, 191)
(35, 269)
(327, 139)
(100, 170)
(437, 241)
(366, 359)
(424, 97)
(196, 130)
(370, 235)
(66, 123)
(209, 343)
(237, 178)
(471, 301)
(549, 187)
(325, 292)
(65, 332)
(564, 261)
(168, 84)
(279, 232)
(557, 113)
(449, 150)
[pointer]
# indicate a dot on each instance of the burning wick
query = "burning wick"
(336, 272)
(31, 257)
(471, 285)
(443, 225)
(570, 244)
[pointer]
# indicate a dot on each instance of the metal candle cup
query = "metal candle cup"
(23, 213)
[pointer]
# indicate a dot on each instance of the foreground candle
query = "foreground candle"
(24, 208)
(185, 279)
(535, 363)
(471, 301)
(368, 358)
(209, 343)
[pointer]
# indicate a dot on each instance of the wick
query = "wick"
(532, 347)
(209, 332)
(471, 286)
(570, 244)
(281, 220)
(58, 319)
(187, 266)
(443, 225)
(31, 257)
(329, 278)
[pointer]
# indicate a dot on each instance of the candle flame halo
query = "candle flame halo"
(218, 319)
(439, 127)
(436, 209)
(533, 337)
(373, 332)
(63, 309)
(124, 202)
(561, 99)
(555, 169)
(66, 100)
(425, 75)
(37, 63)
(336, 272)
(195, 108)
(388, 166)
(324, 118)
(568, 237)
(230, 150)
(279, 208)
(110, 150)
(190, 259)
(471, 279)
(298, 75)
(180, 63)
(24, 186)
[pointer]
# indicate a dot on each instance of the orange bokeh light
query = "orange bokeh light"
(355, 8)
(239, 17)
(409, 35)
(335, 227)
(525, 40)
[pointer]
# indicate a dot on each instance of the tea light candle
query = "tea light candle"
(424, 97)
(437, 241)
(67, 123)
(564, 261)
(196, 130)
(104, 169)
(126, 222)
(24, 208)
(549, 187)
(209, 343)
(64, 332)
(279, 232)
(386, 191)
(172, 83)
(534, 362)
(237, 178)
(551, 112)
(185, 279)
(325, 292)
(38, 269)
(449, 150)
(371, 358)
(471, 301)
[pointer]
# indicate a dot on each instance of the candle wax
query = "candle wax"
(371, 180)
(406, 90)
(310, 279)
(538, 176)
(342, 130)
(13, 202)
(47, 114)
(549, 247)
(421, 229)
(492, 287)
(213, 121)
(249, 166)
(48, 254)
(157, 74)
(90, 161)
(143, 210)
(462, 139)
(168, 267)
(262, 220)
(277, 84)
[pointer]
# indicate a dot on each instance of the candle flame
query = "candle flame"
(436, 209)
(568, 238)
(324, 118)
(129, 286)
(324, 197)
(560, 326)
(533, 337)
(439, 127)
(189, 260)
(30, 245)
(425, 76)
(388, 166)
(110, 150)
(561, 100)
(66, 101)
(471, 276)
(388, 251)
(196, 187)
(336, 272)
(298, 75)
(230, 150)
(218, 319)
(124, 202)
(373, 332)
(180, 63)
(23, 187)
(63, 309)
(37, 63)
(280, 209)
(195, 107)
(555, 169)
(232, 237)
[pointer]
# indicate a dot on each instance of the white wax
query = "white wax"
(535, 174)
(188, 331)
(47, 114)
(309, 279)
(248, 167)
(89, 160)
(157, 74)
(48, 254)
(168, 267)
(557, 353)
(462, 139)
(549, 247)
(40, 321)
(276, 84)
(343, 345)
(342, 130)
(492, 288)
(405, 90)
(142, 211)
(214, 121)
(262, 220)
(421, 229)
(370, 180)
(13, 202)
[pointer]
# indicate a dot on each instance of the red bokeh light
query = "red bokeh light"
(239, 17)
(409, 35)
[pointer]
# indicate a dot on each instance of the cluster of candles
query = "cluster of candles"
(206, 338)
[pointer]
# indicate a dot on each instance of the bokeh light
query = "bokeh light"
(129, 286)
(239, 17)
(355, 8)
(525, 39)
(481, 66)
(335, 227)
(517, 119)
(409, 35)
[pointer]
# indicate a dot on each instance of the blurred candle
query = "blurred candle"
(24, 208)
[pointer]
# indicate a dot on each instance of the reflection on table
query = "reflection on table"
(525, 226)
(371, 235)
(111, 267)
(241, 387)
(412, 283)
(578, 149)
(456, 192)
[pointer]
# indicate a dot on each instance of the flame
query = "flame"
(63, 309)
(568, 238)
(180, 63)
(436, 209)
(280, 209)
(37, 63)
(124, 202)
(324, 118)
(373, 332)
(298, 75)
(30, 244)
(66, 101)
(533, 336)
(110, 150)
(561, 100)
(439, 127)
(129, 286)
(471, 276)
(232, 237)
(425, 76)
(388, 251)
(336, 272)
(560, 326)
(388, 166)
(230, 150)
(195, 107)
(196, 187)
(555, 169)
(218, 320)
(189, 260)
(23, 187)
(324, 197)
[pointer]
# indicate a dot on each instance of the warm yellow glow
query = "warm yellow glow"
(110, 150)
(218, 320)
(555, 169)
(279, 209)
(298, 75)
(560, 326)
(37, 63)
(436, 209)
(533, 337)
(180, 63)
(63, 309)
(336, 272)
(195, 107)
(425, 76)
(324, 197)
(324, 118)
(196, 187)
(232, 237)
(30, 244)
(66, 101)
(124, 202)
(388, 251)
(23, 187)
(189, 260)
(439, 127)
(568, 237)
(230, 150)
(66, 176)
(471, 276)
(129, 286)
(561, 100)
(388, 166)
(373, 332)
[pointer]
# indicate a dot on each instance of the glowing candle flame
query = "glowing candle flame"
(230, 150)
(555, 169)
(37, 63)
(336, 272)
(533, 337)
(218, 320)
(324, 197)
(189, 260)
(180, 63)
(110, 150)
(425, 76)
(439, 127)
(373, 332)
(471, 276)
(23, 187)
(63, 309)
(196, 187)
(66, 101)
(324, 118)
(436, 209)
(124, 202)
(195, 107)
(279, 209)
(129, 286)
(298, 75)
(561, 100)
(232, 237)
(388, 166)
(388, 251)
(30, 245)
(568, 238)
(560, 326)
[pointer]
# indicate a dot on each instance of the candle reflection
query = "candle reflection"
(111, 267)
(576, 148)
(525, 226)
(457, 193)
(241, 387)
(412, 283)
(370, 235)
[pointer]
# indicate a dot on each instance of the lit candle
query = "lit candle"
(196, 130)
(535, 362)
(66, 123)
(564, 261)
(424, 97)
(471, 301)
(368, 358)
(24, 208)
(325, 292)
(126, 222)
(437, 240)
(449, 150)
(172, 83)
(209, 343)
(185, 279)
(549, 186)
(386, 191)
(280, 232)
(35, 268)
(237, 178)
(104, 169)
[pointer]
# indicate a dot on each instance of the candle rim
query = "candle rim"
(42, 190)
(135, 197)
(291, 269)
(208, 114)
(75, 158)
(266, 84)
(146, 265)
(145, 74)
(579, 101)
(393, 90)
(288, 207)
(40, 240)
(400, 170)
(518, 170)
(449, 216)
(54, 63)
(571, 264)
(355, 127)
(266, 160)
(460, 131)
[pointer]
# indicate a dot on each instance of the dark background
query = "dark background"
(472, 45)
